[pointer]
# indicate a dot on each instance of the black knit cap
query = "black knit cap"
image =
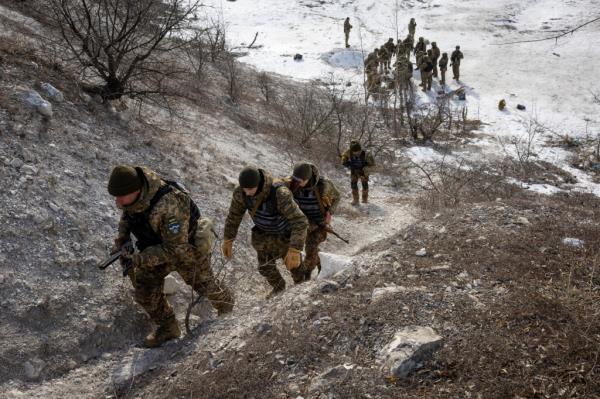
(302, 171)
(355, 145)
(249, 177)
(123, 180)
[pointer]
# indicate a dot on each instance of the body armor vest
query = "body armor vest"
(139, 223)
(357, 162)
(267, 217)
(309, 204)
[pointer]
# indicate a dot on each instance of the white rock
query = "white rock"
(172, 286)
(523, 221)
(53, 92)
(33, 368)
(574, 242)
(410, 347)
(380, 292)
(16, 163)
(421, 252)
(29, 169)
(42, 106)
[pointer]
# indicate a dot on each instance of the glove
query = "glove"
(326, 200)
(119, 242)
(227, 248)
(327, 218)
(292, 259)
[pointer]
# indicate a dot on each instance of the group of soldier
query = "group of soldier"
(289, 214)
(378, 64)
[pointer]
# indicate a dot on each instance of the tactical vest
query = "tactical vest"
(357, 162)
(309, 203)
(267, 218)
(139, 223)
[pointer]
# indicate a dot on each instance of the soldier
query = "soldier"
(418, 57)
(409, 44)
(371, 62)
(421, 46)
(412, 27)
(279, 225)
(443, 67)
(403, 72)
(391, 50)
(435, 55)
(359, 162)
(455, 58)
(318, 198)
(171, 236)
(373, 82)
(347, 28)
(426, 69)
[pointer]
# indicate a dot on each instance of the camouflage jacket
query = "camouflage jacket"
(390, 47)
(435, 52)
(169, 219)
(322, 186)
(285, 206)
(456, 56)
(443, 63)
(347, 26)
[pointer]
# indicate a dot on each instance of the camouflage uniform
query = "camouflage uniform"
(161, 220)
(443, 68)
(412, 27)
(318, 197)
(384, 59)
(347, 28)
(278, 225)
(409, 44)
(371, 62)
(391, 50)
(435, 55)
(420, 50)
(359, 169)
(426, 68)
(403, 72)
(455, 58)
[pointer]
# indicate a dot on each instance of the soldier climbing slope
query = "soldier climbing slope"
(279, 225)
(347, 28)
(455, 58)
(171, 236)
(318, 198)
(359, 162)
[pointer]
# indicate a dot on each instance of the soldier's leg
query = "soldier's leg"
(263, 244)
(443, 72)
(346, 35)
(364, 179)
(148, 286)
(435, 69)
(196, 272)
(354, 186)
(454, 71)
(313, 239)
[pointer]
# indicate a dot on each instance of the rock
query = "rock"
(53, 206)
(53, 92)
(298, 57)
(29, 169)
(380, 292)
(319, 383)
(520, 107)
(410, 347)
(573, 242)
(522, 221)
(328, 286)
(263, 328)
(36, 101)
(421, 252)
(16, 163)
(33, 368)
(172, 286)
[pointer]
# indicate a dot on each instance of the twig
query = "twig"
(255, 37)
(551, 37)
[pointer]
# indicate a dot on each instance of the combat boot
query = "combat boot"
(355, 197)
(166, 331)
(365, 196)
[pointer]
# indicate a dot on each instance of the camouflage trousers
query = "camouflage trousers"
(194, 269)
(269, 248)
(456, 71)
(443, 74)
(346, 37)
(314, 238)
(356, 175)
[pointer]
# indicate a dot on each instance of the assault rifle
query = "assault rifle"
(330, 230)
(126, 249)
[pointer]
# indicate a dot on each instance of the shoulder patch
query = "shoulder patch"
(173, 225)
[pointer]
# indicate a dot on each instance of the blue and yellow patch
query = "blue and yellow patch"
(173, 226)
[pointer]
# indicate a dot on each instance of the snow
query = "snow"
(553, 79)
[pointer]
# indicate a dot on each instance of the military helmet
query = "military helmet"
(123, 180)
(355, 146)
(412, 19)
(458, 47)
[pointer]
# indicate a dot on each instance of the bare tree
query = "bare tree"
(122, 45)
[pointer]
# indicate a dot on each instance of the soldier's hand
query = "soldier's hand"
(326, 200)
(118, 244)
(292, 259)
(327, 218)
(227, 248)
